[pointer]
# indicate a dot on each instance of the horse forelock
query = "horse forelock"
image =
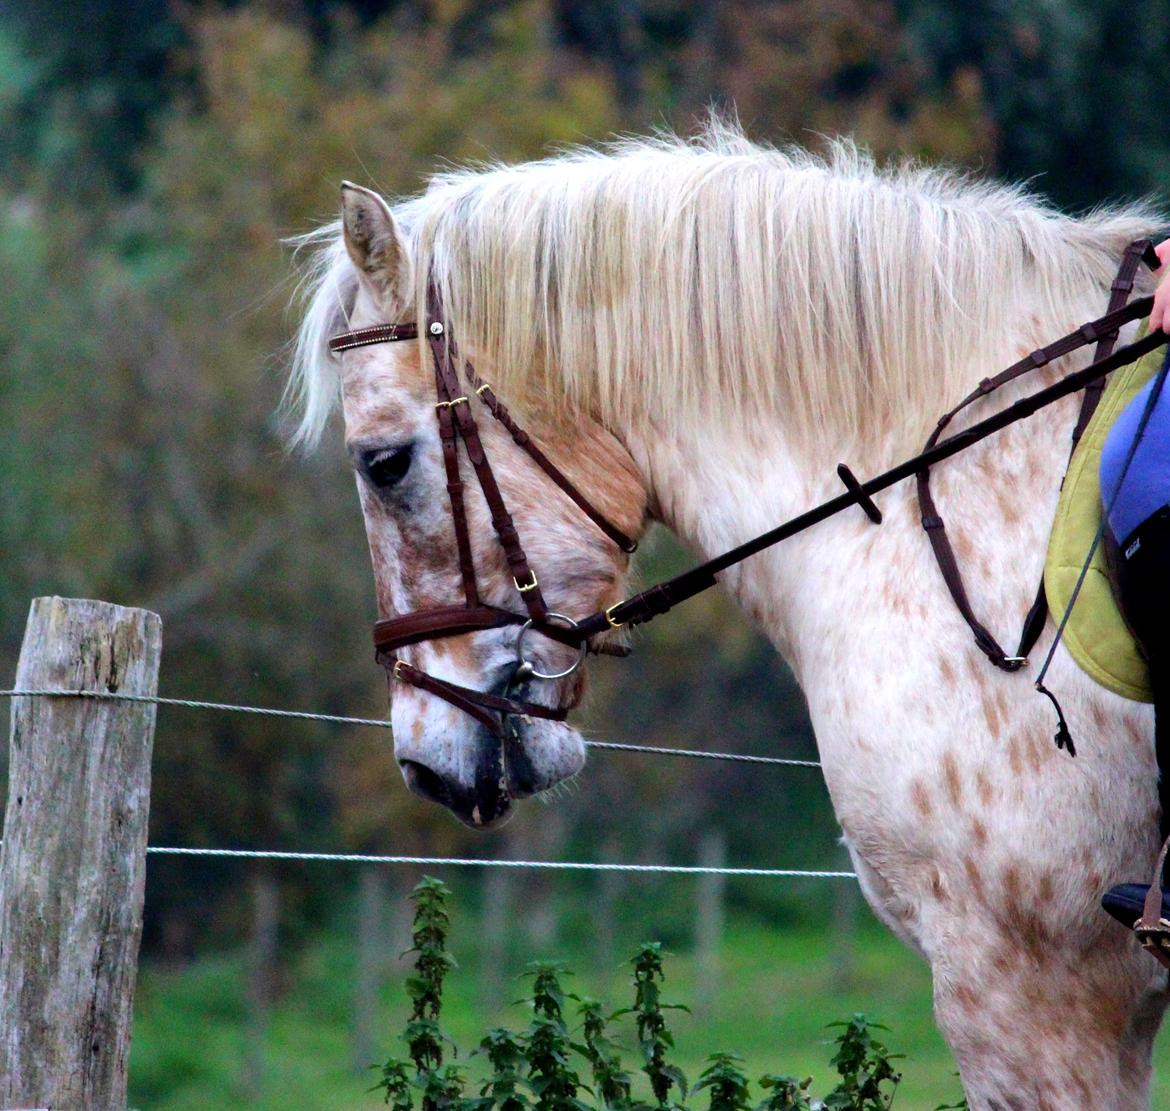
(672, 282)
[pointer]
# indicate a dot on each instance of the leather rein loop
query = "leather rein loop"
(1104, 333)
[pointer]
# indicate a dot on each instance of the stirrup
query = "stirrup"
(1153, 927)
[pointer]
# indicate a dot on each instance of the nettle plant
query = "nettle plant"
(537, 1069)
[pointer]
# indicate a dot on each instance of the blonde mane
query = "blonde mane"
(687, 281)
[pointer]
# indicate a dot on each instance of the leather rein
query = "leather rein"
(456, 421)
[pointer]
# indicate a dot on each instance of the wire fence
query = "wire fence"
(490, 862)
(440, 861)
(382, 723)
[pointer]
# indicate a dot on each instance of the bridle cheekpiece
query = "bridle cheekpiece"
(456, 422)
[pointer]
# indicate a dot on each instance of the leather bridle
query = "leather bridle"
(456, 422)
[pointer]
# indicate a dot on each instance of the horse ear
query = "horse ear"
(375, 245)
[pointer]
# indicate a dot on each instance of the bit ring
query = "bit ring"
(529, 669)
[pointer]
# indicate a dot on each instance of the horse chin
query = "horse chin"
(539, 754)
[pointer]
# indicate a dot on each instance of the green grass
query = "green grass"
(780, 989)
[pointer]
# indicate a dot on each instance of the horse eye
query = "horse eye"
(386, 467)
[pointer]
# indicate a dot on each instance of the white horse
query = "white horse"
(697, 332)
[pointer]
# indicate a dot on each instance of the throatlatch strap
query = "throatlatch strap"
(526, 444)
(1104, 331)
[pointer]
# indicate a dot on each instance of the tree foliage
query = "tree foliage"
(155, 157)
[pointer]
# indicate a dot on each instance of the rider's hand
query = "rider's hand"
(1160, 314)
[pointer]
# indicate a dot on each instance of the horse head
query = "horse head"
(474, 763)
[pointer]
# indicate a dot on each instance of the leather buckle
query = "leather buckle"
(452, 403)
(526, 587)
(394, 671)
(609, 616)
(1155, 940)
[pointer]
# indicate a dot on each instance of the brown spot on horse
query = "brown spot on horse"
(974, 879)
(951, 780)
(991, 714)
(983, 788)
(964, 995)
(921, 798)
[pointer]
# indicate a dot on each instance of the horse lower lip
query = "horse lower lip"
(476, 820)
(521, 776)
(484, 807)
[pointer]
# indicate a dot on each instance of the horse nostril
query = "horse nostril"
(426, 783)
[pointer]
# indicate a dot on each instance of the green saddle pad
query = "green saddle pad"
(1096, 635)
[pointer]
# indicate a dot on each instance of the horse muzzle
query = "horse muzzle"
(507, 752)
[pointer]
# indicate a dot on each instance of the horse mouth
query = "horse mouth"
(483, 806)
(517, 758)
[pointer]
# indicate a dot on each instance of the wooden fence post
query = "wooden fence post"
(73, 862)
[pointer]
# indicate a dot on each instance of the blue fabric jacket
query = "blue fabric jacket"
(1147, 483)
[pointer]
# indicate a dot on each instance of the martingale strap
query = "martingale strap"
(1152, 930)
(1104, 333)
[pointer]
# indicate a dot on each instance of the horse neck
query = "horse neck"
(717, 487)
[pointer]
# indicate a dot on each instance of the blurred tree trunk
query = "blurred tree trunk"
(371, 964)
(604, 915)
(498, 896)
(709, 915)
(400, 926)
(543, 841)
(843, 931)
(261, 977)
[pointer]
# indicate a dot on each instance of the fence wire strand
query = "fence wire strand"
(475, 862)
(439, 861)
(382, 723)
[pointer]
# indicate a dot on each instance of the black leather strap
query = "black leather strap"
(1104, 333)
